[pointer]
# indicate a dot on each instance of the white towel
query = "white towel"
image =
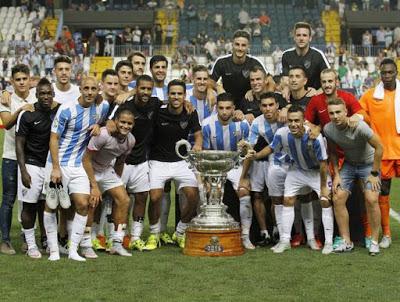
(379, 94)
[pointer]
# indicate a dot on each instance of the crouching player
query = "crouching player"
(362, 160)
(98, 160)
(309, 170)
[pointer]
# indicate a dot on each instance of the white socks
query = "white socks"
(30, 238)
(327, 221)
(165, 206)
(50, 225)
(155, 228)
(78, 228)
(278, 217)
(246, 215)
(307, 214)
(287, 223)
(181, 228)
(87, 237)
(137, 228)
(118, 235)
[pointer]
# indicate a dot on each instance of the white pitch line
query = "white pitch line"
(395, 215)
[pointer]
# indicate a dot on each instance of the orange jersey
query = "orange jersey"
(382, 121)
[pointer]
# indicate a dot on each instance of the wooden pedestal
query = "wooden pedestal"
(213, 243)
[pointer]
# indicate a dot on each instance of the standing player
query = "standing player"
(64, 90)
(158, 69)
(362, 159)
(220, 132)
(234, 69)
(312, 59)
(21, 100)
(124, 70)
(104, 176)
(382, 105)
(309, 170)
(271, 171)
(138, 61)
(32, 137)
(71, 130)
(136, 170)
(172, 123)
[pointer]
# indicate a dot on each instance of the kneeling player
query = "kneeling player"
(309, 170)
(97, 161)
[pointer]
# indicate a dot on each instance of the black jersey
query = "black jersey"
(35, 127)
(235, 78)
(303, 102)
(168, 129)
(253, 107)
(142, 130)
(314, 61)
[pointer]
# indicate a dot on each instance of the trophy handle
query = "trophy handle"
(179, 144)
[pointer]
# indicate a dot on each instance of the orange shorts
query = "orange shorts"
(390, 168)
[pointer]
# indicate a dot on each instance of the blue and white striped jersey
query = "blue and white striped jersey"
(161, 93)
(202, 108)
(305, 153)
(261, 127)
(219, 137)
(132, 84)
(72, 123)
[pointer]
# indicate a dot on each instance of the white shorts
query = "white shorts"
(161, 172)
(298, 180)
(234, 177)
(108, 179)
(74, 179)
(33, 194)
(276, 179)
(258, 175)
(136, 177)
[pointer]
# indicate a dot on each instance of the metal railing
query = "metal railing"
(196, 50)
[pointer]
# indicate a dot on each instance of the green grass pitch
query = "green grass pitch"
(167, 275)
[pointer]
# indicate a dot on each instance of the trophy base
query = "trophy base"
(213, 242)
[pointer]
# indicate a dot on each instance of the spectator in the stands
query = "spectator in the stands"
(388, 37)
(202, 14)
(157, 32)
(211, 49)
(244, 18)
(218, 21)
(93, 44)
(136, 36)
(191, 11)
(169, 34)
(367, 42)
(264, 19)
(36, 63)
(380, 37)
(127, 35)
(277, 60)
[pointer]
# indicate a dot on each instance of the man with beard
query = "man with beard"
(138, 61)
(312, 59)
(308, 171)
(234, 69)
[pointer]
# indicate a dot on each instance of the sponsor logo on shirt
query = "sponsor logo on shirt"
(246, 73)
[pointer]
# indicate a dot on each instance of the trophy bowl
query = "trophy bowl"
(213, 232)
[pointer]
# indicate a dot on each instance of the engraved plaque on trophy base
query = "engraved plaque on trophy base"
(213, 243)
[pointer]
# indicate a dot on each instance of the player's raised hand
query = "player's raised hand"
(238, 115)
(249, 96)
(123, 97)
(94, 130)
(189, 107)
(354, 120)
(28, 107)
(5, 98)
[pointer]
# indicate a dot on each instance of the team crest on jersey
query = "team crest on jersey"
(150, 115)
(183, 124)
(307, 64)
(246, 73)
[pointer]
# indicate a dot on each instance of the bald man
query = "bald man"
(72, 127)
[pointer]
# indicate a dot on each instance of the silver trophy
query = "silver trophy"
(213, 220)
